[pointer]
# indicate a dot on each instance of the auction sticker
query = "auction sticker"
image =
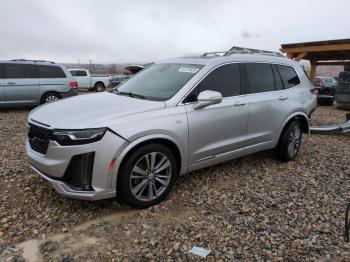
(191, 70)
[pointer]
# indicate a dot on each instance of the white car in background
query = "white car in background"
(87, 81)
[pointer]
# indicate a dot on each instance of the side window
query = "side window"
(278, 80)
(329, 81)
(289, 76)
(226, 79)
(260, 78)
(50, 72)
(73, 72)
(18, 71)
(81, 73)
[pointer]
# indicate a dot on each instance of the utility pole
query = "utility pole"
(79, 63)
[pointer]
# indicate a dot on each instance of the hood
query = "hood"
(89, 111)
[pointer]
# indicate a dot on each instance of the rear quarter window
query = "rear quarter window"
(289, 76)
(50, 72)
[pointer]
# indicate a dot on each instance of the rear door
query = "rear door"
(267, 104)
(52, 79)
(21, 85)
(2, 89)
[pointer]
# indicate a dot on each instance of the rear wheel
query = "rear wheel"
(147, 176)
(49, 97)
(290, 141)
(99, 87)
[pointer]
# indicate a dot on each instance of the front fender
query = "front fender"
(120, 154)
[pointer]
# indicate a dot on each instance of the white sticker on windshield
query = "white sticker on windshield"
(191, 70)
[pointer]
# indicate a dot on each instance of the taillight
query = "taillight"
(73, 84)
(314, 91)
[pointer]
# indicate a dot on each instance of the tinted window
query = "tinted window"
(289, 76)
(78, 73)
(260, 78)
(50, 72)
(226, 79)
(18, 71)
(278, 80)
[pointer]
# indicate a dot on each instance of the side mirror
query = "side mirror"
(208, 98)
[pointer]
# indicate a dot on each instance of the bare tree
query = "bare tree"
(113, 69)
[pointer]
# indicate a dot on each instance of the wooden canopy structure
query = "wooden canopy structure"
(331, 52)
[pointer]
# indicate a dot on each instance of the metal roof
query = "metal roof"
(328, 50)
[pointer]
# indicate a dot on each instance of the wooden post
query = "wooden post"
(290, 55)
(300, 56)
(313, 71)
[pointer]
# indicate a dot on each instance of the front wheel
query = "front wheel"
(290, 141)
(147, 176)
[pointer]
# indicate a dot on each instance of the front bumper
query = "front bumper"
(53, 165)
(65, 190)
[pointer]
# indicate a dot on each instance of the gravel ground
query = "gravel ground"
(253, 208)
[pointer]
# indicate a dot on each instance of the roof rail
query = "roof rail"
(242, 50)
(30, 60)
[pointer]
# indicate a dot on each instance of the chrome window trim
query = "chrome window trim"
(242, 95)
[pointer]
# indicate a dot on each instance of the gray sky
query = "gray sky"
(142, 31)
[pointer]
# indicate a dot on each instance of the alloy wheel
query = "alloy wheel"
(51, 98)
(150, 176)
(294, 141)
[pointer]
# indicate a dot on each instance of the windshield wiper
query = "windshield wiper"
(131, 94)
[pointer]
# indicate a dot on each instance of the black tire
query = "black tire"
(281, 151)
(343, 97)
(99, 87)
(343, 106)
(344, 76)
(347, 67)
(124, 185)
(49, 97)
(343, 87)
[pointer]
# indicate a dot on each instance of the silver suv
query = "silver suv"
(34, 82)
(172, 118)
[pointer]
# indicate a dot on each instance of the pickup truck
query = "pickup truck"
(87, 81)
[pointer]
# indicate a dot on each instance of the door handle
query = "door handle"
(238, 103)
(282, 98)
(11, 83)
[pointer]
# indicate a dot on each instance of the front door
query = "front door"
(218, 129)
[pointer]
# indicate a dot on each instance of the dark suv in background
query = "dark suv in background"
(34, 82)
(326, 90)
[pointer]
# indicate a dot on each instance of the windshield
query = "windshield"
(159, 82)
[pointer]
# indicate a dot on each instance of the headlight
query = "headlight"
(78, 137)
